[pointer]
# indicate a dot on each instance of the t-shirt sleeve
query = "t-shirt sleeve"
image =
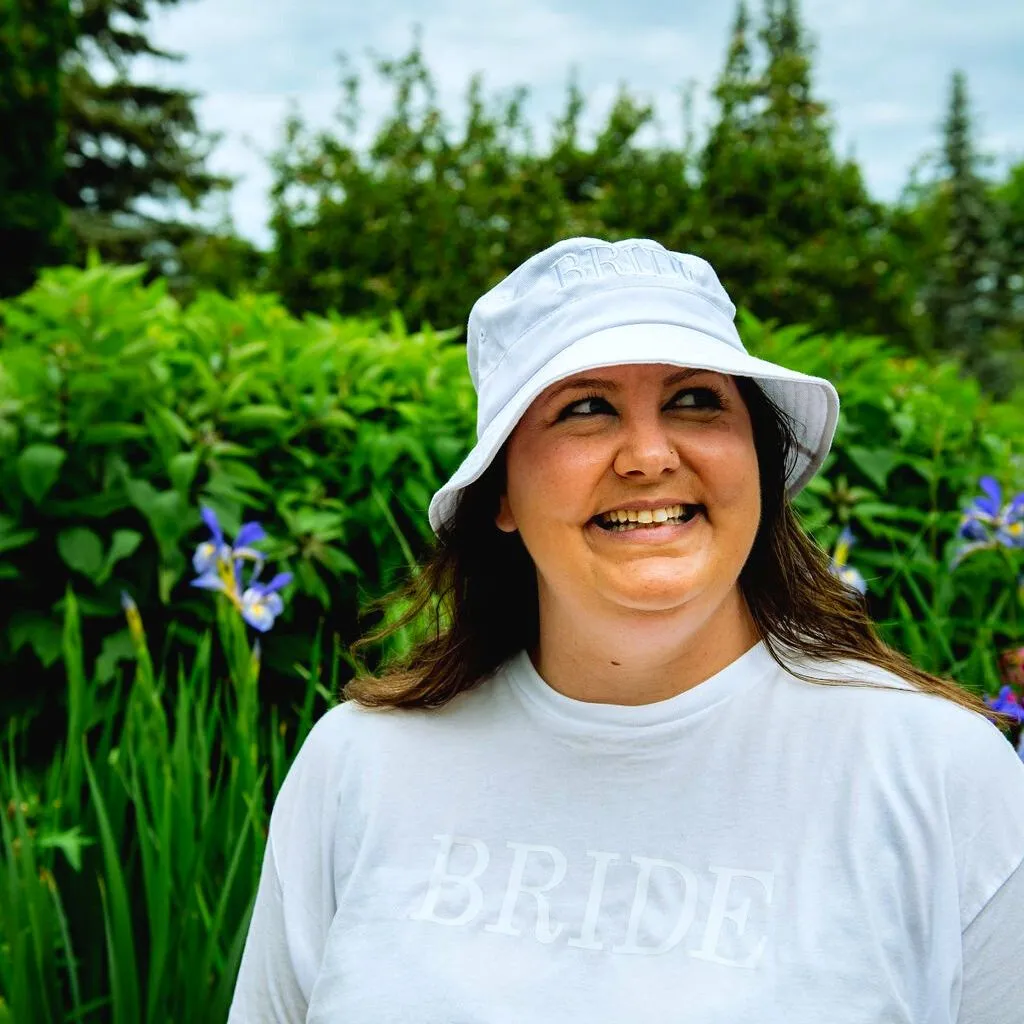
(986, 803)
(295, 901)
(993, 985)
(985, 784)
(267, 990)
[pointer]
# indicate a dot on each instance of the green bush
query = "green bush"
(912, 443)
(122, 412)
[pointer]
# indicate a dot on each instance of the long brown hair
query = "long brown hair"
(478, 586)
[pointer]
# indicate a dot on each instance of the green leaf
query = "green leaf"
(314, 523)
(70, 842)
(38, 468)
(81, 550)
(11, 537)
(182, 471)
(876, 464)
(42, 633)
(241, 475)
(121, 939)
(164, 510)
(122, 544)
(258, 416)
(167, 580)
(338, 418)
(337, 561)
(116, 648)
(113, 433)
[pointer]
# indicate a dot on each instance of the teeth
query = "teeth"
(625, 519)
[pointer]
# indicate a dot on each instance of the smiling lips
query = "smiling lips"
(620, 520)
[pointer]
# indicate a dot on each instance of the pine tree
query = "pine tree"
(735, 88)
(128, 142)
(963, 291)
(33, 35)
(730, 186)
(1008, 294)
(789, 226)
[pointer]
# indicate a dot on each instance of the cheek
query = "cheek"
(731, 470)
(552, 477)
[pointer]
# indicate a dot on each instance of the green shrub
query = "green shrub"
(913, 441)
(121, 412)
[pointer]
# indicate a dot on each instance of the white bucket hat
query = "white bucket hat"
(585, 303)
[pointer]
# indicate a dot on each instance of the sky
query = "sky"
(882, 66)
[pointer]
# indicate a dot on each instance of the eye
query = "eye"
(589, 406)
(702, 398)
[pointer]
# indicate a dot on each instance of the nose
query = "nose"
(646, 450)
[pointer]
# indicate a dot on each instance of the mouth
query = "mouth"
(626, 520)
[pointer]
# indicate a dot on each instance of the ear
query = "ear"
(504, 520)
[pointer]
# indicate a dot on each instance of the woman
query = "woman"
(655, 765)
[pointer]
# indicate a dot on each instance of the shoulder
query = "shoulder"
(868, 694)
(920, 737)
(942, 755)
(350, 731)
(944, 762)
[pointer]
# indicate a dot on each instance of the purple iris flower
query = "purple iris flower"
(989, 503)
(261, 604)
(988, 523)
(219, 565)
(1007, 703)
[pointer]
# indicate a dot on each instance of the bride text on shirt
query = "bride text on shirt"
(457, 894)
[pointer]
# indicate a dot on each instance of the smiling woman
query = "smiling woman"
(654, 754)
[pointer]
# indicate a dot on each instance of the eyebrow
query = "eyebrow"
(602, 383)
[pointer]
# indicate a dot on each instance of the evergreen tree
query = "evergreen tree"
(33, 35)
(965, 283)
(731, 187)
(735, 89)
(128, 143)
(789, 226)
(1009, 291)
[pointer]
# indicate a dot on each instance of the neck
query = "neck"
(638, 657)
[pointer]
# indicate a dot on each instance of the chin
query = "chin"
(654, 596)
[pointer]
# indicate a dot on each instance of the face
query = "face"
(672, 449)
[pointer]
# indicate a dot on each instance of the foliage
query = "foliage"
(436, 207)
(95, 159)
(963, 292)
(121, 412)
(428, 218)
(33, 34)
(788, 226)
(913, 440)
(128, 868)
(429, 214)
(148, 827)
(128, 141)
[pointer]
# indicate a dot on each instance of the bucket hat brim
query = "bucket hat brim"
(811, 403)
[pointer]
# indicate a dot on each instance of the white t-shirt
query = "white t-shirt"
(757, 848)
